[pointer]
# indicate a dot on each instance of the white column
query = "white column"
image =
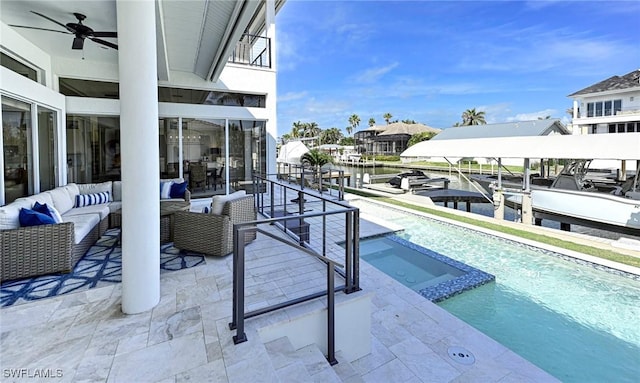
(271, 125)
(140, 155)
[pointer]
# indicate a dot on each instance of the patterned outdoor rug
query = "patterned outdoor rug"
(99, 267)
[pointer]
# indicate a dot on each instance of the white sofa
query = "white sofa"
(45, 249)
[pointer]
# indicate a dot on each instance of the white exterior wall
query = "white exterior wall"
(630, 110)
(234, 78)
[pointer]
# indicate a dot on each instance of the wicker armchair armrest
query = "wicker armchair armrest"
(36, 250)
(242, 210)
(203, 233)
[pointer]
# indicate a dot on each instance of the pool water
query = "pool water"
(409, 267)
(573, 320)
(433, 275)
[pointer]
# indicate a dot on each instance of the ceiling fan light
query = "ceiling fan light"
(78, 43)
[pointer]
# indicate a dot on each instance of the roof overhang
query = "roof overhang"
(195, 36)
(624, 146)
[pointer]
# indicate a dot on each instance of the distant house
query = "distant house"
(610, 106)
(506, 129)
(388, 139)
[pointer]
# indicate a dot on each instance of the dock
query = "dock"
(453, 195)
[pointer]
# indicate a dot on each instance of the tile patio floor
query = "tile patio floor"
(86, 338)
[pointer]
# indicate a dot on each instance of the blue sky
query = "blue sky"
(431, 60)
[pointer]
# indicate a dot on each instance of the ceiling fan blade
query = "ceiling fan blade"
(52, 20)
(111, 45)
(40, 29)
(105, 34)
(78, 43)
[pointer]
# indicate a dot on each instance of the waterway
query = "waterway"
(460, 182)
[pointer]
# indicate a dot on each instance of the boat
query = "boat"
(572, 197)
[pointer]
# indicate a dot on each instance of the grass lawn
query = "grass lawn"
(596, 252)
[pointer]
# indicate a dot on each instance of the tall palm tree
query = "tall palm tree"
(372, 121)
(354, 121)
(473, 117)
(387, 117)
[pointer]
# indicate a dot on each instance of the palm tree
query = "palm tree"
(473, 117)
(331, 136)
(372, 121)
(387, 117)
(296, 129)
(544, 118)
(409, 122)
(354, 121)
(315, 159)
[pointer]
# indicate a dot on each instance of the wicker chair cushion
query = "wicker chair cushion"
(218, 201)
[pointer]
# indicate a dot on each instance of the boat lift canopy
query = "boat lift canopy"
(618, 146)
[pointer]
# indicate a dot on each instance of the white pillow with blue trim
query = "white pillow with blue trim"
(165, 189)
(92, 199)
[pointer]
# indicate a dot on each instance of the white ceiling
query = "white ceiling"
(196, 32)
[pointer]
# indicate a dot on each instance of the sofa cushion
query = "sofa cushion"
(218, 201)
(117, 191)
(29, 217)
(61, 199)
(102, 210)
(92, 199)
(82, 224)
(10, 214)
(115, 206)
(42, 198)
(73, 190)
(97, 188)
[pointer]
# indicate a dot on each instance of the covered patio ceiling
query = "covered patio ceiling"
(195, 36)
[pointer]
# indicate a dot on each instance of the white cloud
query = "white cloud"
(533, 115)
(373, 74)
(292, 96)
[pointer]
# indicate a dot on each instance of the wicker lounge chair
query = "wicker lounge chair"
(211, 233)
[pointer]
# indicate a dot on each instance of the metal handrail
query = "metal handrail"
(351, 266)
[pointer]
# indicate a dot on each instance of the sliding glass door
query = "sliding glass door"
(18, 150)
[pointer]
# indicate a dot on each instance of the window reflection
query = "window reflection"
(16, 137)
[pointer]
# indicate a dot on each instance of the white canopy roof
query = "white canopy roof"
(615, 146)
(291, 152)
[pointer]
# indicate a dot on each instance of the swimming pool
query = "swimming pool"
(432, 275)
(578, 323)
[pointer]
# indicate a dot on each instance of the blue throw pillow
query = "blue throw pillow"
(178, 190)
(30, 217)
(42, 208)
(48, 210)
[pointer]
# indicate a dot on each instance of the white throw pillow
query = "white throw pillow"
(165, 189)
(54, 214)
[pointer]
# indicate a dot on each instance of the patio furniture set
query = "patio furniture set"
(78, 214)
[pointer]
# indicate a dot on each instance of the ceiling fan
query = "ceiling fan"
(78, 29)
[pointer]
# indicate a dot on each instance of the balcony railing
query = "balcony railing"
(609, 113)
(252, 50)
(310, 224)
